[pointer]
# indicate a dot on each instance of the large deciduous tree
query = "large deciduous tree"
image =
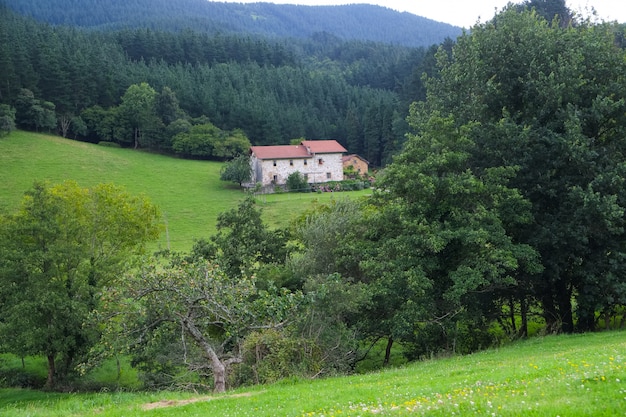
(138, 108)
(442, 248)
(207, 141)
(56, 253)
(214, 310)
(549, 100)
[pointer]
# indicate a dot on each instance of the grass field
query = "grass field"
(576, 375)
(189, 193)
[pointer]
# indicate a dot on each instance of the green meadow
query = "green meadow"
(189, 193)
(573, 375)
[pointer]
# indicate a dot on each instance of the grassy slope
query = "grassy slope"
(189, 193)
(578, 375)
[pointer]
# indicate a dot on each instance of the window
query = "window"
(291, 162)
(275, 179)
(305, 162)
(328, 176)
(306, 177)
(274, 163)
(320, 161)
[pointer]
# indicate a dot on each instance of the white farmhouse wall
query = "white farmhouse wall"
(276, 171)
(331, 168)
(268, 171)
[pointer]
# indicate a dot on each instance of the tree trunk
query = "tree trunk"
(219, 374)
(64, 122)
(136, 137)
(388, 351)
(564, 295)
(550, 315)
(512, 314)
(217, 366)
(523, 307)
(51, 372)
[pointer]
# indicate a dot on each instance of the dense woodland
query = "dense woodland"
(275, 91)
(350, 22)
(501, 213)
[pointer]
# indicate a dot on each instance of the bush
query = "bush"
(20, 378)
(109, 144)
(296, 182)
(270, 355)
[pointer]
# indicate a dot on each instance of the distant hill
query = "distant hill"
(348, 22)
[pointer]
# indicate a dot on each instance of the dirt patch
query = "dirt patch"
(179, 403)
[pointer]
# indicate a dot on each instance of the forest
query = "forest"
(74, 81)
(500, 212)
(349, 22)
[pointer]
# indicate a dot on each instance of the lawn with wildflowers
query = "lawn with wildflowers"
(574, 375)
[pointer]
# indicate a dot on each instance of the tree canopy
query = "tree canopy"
(57, 252)
(548, 101)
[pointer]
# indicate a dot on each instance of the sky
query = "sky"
(465, 13)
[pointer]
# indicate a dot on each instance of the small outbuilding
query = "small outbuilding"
(356, 164)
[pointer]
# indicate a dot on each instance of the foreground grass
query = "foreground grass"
(578, 375)
(189, 193)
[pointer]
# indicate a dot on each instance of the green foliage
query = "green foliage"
(272, 91)
(243, 241)
(7, 119)
(58, 251)
(555, 114)
(138, 109)
(337, 22)
(297, 183)
(272, 355)
(213, 310)
(438, 246)
(206, 141)
(237, 170)
(34, 113)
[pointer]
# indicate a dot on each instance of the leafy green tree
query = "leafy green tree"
(215, 311)
(57, 252)
(243, 240)
(555, 113)
(34, 113)
(7, 119)
(550, 10)
(230, 144)
(100, 123)
(208, 141)
(138, 109)
(237, 170)
(442, 249)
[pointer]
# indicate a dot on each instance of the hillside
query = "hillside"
(349, 22)
(189, 193)
(579, 375)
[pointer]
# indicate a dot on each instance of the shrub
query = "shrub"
(109, 144)
(270, 355)
(296, 182)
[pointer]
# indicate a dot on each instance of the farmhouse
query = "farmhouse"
(317, 160)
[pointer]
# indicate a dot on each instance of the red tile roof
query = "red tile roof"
(304, 150)
(347, 158)
(324, 146)
(280, 152)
